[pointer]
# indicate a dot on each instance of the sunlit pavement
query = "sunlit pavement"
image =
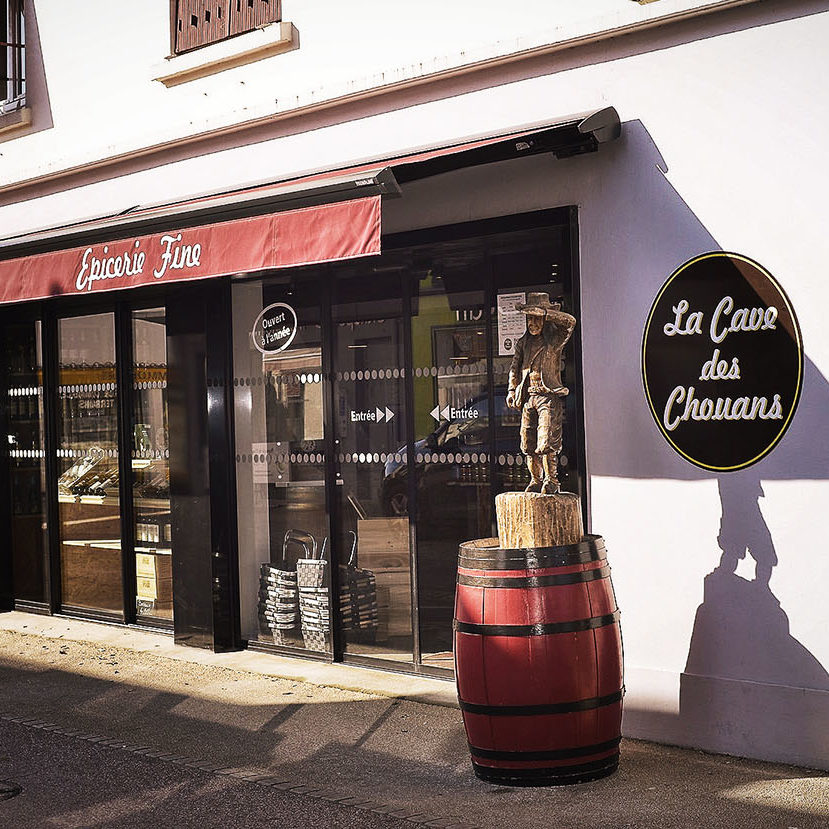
(260, 726)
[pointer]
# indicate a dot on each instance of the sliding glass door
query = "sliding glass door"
(23, 355)
(370, 428)
(88, 475)
(278, 387)
(150, 463)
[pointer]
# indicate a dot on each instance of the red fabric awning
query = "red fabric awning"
(322, 217)
(307, 236)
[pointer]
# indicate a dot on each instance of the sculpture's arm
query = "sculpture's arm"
(515, 365)
(559, 327)
(515, 373)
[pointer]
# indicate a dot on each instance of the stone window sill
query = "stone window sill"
(228, 54)
(14, 123)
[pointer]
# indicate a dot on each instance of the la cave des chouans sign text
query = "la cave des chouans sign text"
(275, 328)
(722, 361)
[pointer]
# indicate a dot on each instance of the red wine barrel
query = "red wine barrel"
(538, 662)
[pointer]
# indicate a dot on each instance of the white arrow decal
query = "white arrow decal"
(389, 413)
(380, 415)
(445, 413)
(435, 413)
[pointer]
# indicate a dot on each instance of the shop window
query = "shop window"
(370, 426)
(12, 70)
(372, 434)
(453, 446)
(202, 22)
(523, 262)
(88, 474)
(151, 467)
(27, 468)
(284, 546)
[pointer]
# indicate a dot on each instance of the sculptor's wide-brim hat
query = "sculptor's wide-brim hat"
(537, 303)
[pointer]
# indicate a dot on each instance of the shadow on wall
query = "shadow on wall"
(747, 682)
(741, 646)
(740, 630)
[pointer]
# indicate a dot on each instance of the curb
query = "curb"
(298, 675)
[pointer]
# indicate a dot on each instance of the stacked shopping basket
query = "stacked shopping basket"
(358, 596)
(313, 596)
(278, 605)
(291, 597)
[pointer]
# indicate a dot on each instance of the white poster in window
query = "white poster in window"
(511, 323)
(269, 463)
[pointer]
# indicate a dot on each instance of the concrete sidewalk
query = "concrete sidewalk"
(331, 731)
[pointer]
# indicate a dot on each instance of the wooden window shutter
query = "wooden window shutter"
(200, 22)
(250, 14)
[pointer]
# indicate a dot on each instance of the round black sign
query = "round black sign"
(722, 361)
(275, 328)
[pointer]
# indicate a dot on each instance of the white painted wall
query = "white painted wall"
(93, 64)
(723, 126)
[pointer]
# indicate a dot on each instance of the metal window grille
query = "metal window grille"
(202, 22)
(12, 69)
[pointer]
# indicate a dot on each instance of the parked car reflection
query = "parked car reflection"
(451, 463)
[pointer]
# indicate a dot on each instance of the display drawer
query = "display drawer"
(91, 576)
(153, 565)
(151, 588)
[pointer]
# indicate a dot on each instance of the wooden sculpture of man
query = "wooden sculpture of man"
(535, 387)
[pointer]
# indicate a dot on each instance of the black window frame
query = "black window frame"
(13, 44)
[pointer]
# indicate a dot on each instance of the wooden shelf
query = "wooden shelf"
(150, 503)
(115, 544)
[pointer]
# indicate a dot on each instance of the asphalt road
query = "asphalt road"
(70, 783)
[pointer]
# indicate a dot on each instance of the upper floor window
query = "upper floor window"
(12, 48)
(202, 22)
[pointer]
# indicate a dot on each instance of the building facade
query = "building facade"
(258, 270)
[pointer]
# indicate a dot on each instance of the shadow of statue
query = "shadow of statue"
(744, 665)
(740, 631)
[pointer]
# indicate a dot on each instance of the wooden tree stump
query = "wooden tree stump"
(529, 519)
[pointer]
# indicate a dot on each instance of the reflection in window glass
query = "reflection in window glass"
(452, 448)
(284, 550)
(27, 473)
(151, 467)
(88, 494)
(371, 461)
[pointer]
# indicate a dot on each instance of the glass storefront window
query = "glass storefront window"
(413, 357)
(151, 467)
(370, 425)
(523, 262)
(24, 371)
(88, 493)
(284, 549)
(452, 436)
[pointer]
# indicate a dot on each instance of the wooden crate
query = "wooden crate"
(394, 602)
(383, 543)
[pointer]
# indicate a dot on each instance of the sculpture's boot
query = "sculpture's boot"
(535, 467)
(551, 485)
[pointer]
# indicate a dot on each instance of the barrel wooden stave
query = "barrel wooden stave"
(571, 679)
(562, 673)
